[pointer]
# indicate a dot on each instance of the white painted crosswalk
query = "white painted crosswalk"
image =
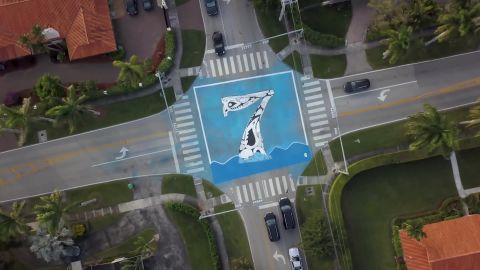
(244, 62)
(262, 190)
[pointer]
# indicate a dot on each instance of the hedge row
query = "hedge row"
(322, 40)
(170, 45)
(193, 212)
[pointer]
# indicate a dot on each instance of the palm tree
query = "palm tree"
(71, 110)
(143, 250)
(474, 114)
(422, 13)
(131, 72)
(13, 224)
(35, 40)
(398, 43)
(414, 230)
(19, 120)
(52, 211)
(460, 18)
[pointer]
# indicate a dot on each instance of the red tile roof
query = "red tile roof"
(452, 244)
(84, 24)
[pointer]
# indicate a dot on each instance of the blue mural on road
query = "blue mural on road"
(251, 125)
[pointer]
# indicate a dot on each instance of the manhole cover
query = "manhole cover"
(309, 191)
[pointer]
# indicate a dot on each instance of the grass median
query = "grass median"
(316, 166)
(294, 61)
(328, 66)
(193, 48)
(187, 82)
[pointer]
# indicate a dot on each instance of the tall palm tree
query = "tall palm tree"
(431, 130)
(422, 13)
(143, 250)
(71, 110)
(13, 224)
(131, 72)
(398, 43)
(474, 114)
(35, 40)
(19, 120)
(52, 211)
(460, 18)
(414, 230)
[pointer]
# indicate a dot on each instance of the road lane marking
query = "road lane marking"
(319, 123)
(321, 109)
(324, 136)
(185, 117)
(225, 65)
(239, 195)
(245, 193)
(313, 104)
(212, 67)
(279, 188)
(239, 63)
(313, 90)
(174, 152)
(186, 138)
(193, 164)
(252, 59)
(374, 90)
(185, 145)
(250, 186)
(232, 65)
(120, 160)
(196, 170)
(272, 189)
(292, 185)
(259, 61)
(308, 84)
(313, 97)
(259, 190)
(188, 158)
(182, 111)
(245, 62)
(186, 131)
(318, 116)
(185, 124)
(219, 67)
(179, 105)
(267, 65)
(190, 151)
(284, 180)
(268, 205)
(318, 130)
(265, 190)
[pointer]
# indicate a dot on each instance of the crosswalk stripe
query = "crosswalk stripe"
(193, 164)
(321, 109)
(318, 116)
(252, 59)
(185, 145)
(187, 138)
(212, 69)
(185, 124)
(225, 65)
(312, 104)
(265, 190)
(188, 158)
(183, 111)
(319, 123)
(190, 151)
(292, 185)
(183, 104)
(304, 78)
(313, 97)
(186, 131)
(324, 136)
(266, 59)
(318, 130)
(219, 67)
(259, 60)
(239, 195)
(245, 62)
(252, 193)
(272, 189)
(320, 144)
(259, 190)
(196, 170)
(279, 188)
(239, 63)
(307, 84)
(284, 180)
(245, 194)
(313, 90)
(185, 117)
(232, 65)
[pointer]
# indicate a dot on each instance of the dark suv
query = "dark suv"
(131, 6)
(287, 213)
(272, 228)
(212, 7)
(357, 85)
(218, 43)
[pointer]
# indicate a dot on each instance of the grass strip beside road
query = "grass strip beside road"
(193, 48)
(294, 61)
(270, 26)
(178, 183)
(316, 166)
(187, 82)
(328, 66)
(468, 161)
(211, 190)
(125, 248)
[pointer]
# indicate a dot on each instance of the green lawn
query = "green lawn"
(102, 223)
(373, 198)
(294, 61)
(112, 114)
(178, 183)
(193, 48)
(333, 19)
(268, 21)
(305, 207)
(234, 233)
(125, 248)
(211, 190)
(194, 238)
(187, 82)
(418, 52)
(106, 194)
(325, 66)
(468, 161)
(316, 166)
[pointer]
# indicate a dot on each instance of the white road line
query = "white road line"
(181, 118)
(201, 169)
(318, 116)
(268, 205)
(185, 124)
(119, 160)
(259, 61)
(313, 90)
(193, 164)
(185, 145)
(239, 195)
(183, 104)
(318, 130)
(272, 189)
(316, 110)
(252, 59)
(292, 185)
(187, 138)
(259, 190)
(267, 65)
(284, 180)
(312, 104)
(311, 83)
(174, 152)
(225, 65)
(232, 65)
(324, 136)
(245, 62)
(320, 144)
(252, 193)
(313, 97)
(304, 78)
(239, 63)
(377, 89)
(219, 67)
(245, 193)
(265, 190)
(212, 69)
(186, 131)
(319, 123)
(190, 151)
(188, 158)
(183, 111)
(279, 188)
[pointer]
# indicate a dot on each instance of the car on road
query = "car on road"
(132, 7)
(272, 228)
(358, 85)
(212, 7)
(148, 5)
(295, 260)
(287, 213)
(218, 43)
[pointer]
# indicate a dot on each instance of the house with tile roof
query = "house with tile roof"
(449, 245)
(84, 25)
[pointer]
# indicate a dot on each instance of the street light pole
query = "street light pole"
(159, 76)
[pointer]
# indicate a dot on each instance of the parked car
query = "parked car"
(272, 228)
(287, 213)
(357, 85)
(148, 5)
(295, 261)
(212, 7)
(132, 7)
(218, 43)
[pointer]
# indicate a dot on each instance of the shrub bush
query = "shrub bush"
(119, 54)
(322, 40)
(167, 62)
(79, 230)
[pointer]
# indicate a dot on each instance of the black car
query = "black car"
(212, 7)
(132, 8)
(287, 213)
(148, 5)
(218, 43)
(357, 85)
(272, 228)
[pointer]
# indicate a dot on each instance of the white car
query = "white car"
(295, 260)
